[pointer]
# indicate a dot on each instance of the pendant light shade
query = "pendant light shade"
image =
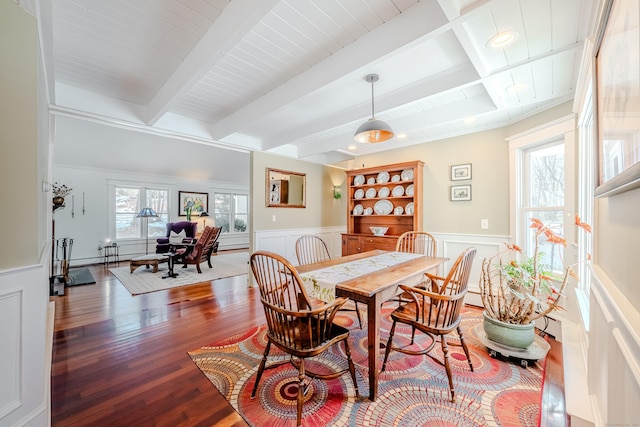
(373, 130)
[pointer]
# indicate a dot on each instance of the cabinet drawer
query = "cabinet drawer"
(370, 243)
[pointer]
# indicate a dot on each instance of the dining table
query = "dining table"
(370, 278)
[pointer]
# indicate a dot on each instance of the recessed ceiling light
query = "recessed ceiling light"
(352, 147)
(503, 39)
(469, 120)
(516, 87)
(401, 135)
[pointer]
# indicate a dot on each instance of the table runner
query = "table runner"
(321, 284)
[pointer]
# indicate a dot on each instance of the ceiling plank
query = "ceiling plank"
(220, 37)
(422, 20)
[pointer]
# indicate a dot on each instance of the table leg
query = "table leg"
(170, 273)
(373, 344)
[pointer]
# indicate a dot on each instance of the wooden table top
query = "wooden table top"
(370, 283)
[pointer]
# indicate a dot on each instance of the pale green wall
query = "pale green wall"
(488, 154)
(19, 135)
(322, 209)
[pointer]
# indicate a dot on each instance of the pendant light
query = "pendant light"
(373, 130)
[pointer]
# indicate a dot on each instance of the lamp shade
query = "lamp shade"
(373, 130)
(146, 213)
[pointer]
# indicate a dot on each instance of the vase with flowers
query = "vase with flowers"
(59, 193)
(517, 289)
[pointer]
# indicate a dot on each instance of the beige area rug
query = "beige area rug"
(142, 280)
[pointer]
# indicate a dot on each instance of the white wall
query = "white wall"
(88, 229)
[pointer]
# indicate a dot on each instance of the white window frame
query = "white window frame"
(565, 129)
(111, 226)
(588, 180)
(232, 213)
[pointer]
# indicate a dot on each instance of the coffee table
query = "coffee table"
(152, 259)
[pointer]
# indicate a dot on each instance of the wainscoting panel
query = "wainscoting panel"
(283, 242)
(451, 245)
(24, 361)
(613, 363)
(10, 314)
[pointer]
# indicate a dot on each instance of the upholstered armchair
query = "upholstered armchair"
(177, 232)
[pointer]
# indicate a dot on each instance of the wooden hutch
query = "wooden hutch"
(383, 196)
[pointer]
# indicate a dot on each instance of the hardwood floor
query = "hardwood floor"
(121, 360)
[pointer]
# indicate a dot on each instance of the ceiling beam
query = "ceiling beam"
(416, 91)
(236, 20)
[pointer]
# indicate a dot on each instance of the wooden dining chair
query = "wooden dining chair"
(311, 249)
(416, 242)
(294, 325)
(436, 312)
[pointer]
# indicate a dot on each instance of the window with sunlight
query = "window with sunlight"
(232, 209)
(543, 199)
(129, 200)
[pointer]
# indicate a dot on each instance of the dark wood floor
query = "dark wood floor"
(121, 360)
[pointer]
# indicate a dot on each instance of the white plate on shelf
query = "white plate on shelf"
(409, 208)
(358, 210)
(358, 180)
(383, 207)
(359, 194)
(383, 177)
(371, 193)
(407, 175)
(371, 181)
(398, 191)
(398, 210)
(395, 178)
(383, 193)
(368, 211)
(410, 190)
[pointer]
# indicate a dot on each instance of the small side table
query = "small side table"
(111, 254)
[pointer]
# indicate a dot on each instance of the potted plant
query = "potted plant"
(59, 193)
(517, 289)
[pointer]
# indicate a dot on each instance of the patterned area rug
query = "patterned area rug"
(413, 391)
(143, 280)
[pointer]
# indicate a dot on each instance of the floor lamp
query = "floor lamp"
(147, 213)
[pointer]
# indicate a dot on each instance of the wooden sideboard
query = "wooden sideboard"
(375, 196)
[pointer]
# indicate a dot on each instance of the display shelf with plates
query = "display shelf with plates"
(380, 197)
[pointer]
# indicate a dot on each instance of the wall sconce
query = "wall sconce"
(337, 192)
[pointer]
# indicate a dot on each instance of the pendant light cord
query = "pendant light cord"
(372, 98)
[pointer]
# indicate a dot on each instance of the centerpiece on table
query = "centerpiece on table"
(517, 289)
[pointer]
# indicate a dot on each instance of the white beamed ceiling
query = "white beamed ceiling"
(288, 75)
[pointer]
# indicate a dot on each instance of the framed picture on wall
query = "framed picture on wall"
(198, 201)
(460, 192)
(461, 172)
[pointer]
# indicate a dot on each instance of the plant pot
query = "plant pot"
(508, 334)
(58, 202)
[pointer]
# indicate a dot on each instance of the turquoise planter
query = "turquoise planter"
(510, 335)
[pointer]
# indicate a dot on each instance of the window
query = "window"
(129, 200)
(544, 196)
(231, 209)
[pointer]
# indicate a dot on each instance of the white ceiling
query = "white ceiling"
(287, 76)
